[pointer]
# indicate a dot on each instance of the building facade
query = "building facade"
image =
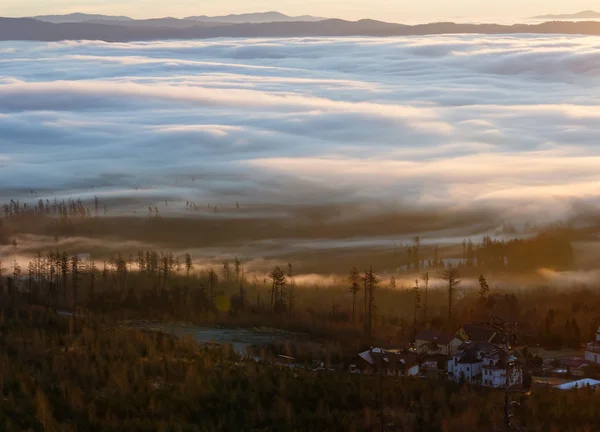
(592, 350)
(484, 364)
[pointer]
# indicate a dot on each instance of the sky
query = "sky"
(388, 10)
(508, 120)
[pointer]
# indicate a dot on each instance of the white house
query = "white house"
(592, 350)
(484, 364)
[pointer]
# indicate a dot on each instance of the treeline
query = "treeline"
(162, 286)
(62, 209)
(148, 284)
(73, 374)
(547, 249)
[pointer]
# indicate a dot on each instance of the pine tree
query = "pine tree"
(354, 289)
(189, 265)
(278, 278)
(238, 269)
(452, 276)
(92, 273)
(213, 280)
(292, 286)
(484, 288)
(226, 271)
(16, 275)
(417, 294)
(425, 278)
(371, 284)
(75, 278)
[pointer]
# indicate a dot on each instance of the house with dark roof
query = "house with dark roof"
(479, 332)
(389, 362)
(434, 342)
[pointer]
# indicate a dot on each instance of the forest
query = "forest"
(68, 363)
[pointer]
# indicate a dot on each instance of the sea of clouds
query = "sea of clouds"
(422, 120)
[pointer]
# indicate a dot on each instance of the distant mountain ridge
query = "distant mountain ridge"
(79, 17)
(34, 30)
(588, 14)
(255, 18)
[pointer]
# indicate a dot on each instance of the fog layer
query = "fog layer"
(416, 120)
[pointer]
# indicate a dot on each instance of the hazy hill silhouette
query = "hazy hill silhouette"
(588, 14)
(35, 30)
(256, 18)
(79, 17)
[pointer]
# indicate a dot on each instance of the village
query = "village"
(477, 354)
(480, 355)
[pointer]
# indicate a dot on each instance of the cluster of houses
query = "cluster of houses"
(475, 353)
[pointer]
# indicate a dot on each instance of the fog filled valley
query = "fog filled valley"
(303, 150)
(309, 198)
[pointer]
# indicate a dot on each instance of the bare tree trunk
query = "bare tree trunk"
(354, 307)
(450, 289)
(366, 294)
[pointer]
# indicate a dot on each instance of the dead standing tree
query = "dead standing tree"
(278, 278)
(425, 278)
(371, 281)
(354, 289)
(452, 276)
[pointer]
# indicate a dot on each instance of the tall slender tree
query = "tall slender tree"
(226, 271)
(372, 281)
(452, 276)
(417, 299)
(92, 273)
(425, 278)
(292, 286)
(484, 288)
(279, 280)
(212, 284)
(189, 265)
(238, 269)
(16, 275)
(75, 261)
(354, 289)
(417, 253)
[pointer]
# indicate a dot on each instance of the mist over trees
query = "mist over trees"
(144, 383)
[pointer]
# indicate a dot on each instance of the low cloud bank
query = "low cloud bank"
(438, 120)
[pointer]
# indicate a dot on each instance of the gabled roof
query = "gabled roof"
(470, 359)
(479, 332)
(391, 358)
(366, 356)
(438, 337)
